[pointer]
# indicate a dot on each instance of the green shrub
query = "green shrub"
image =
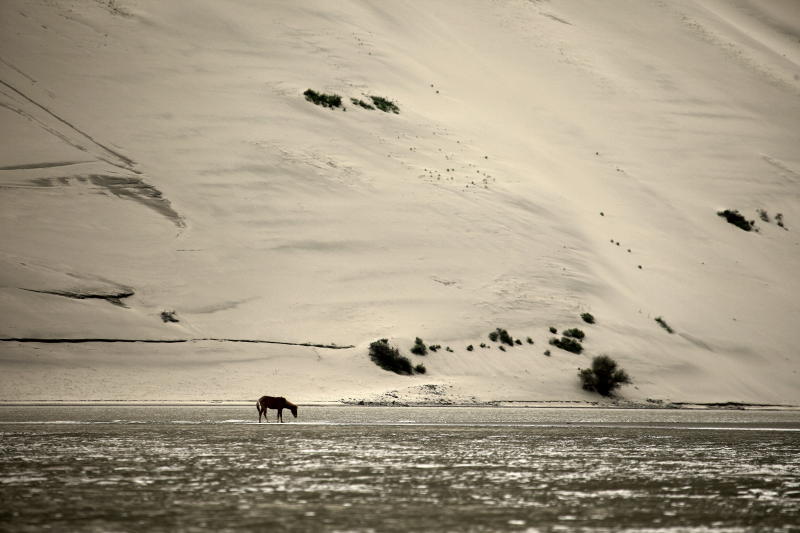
(663, 324)
(530, 341)
(325, 100)
(169, 316)
(361, 103)
(575, 333)
(763, 215)
(419, 347)
(448, 349)
(735, 217)
(385, 104)
(483, 345)
(388, 357)
(547, 353)
(502, 348)
(501, 335)
(420, 369)
(779, 220)
(587, 317)
(470, 348)
(604, 377)
(565, 343)
(553, 330)
(435, 347)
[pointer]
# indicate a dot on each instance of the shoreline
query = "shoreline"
(499, 404)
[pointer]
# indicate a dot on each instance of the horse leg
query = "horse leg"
(258, 407)
(280, 414)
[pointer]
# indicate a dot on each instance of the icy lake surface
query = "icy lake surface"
(398, 469)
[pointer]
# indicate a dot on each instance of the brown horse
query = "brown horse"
(274, 402)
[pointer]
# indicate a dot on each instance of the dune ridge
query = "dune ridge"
(547, 159)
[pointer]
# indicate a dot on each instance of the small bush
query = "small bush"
(735, 217)
(565, 343)
(518, 342)
(434, 347)
(763, 215)
(604, 377)
(419, 347)
(663, 324)
(588, 317)
(362, 103)
(325, 100)
(502, 348)
(385, 105)
(470, 348)
(547, 353)
(553, 330)
(530, 341)
(420, 369)
(448, 349)
(483, 345)
(575, 333)
(169, 316)
(501, 335)
(388, 357)
(779, 220)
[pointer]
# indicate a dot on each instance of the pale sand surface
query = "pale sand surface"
(165, 149)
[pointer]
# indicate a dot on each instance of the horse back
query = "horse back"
(272, 402)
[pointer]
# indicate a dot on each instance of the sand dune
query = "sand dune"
(548, 159)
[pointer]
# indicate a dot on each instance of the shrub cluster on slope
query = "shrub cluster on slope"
(419, 347)
(325, 100)
(575, 333)
(334, 100)
(567, 343)
(388, 358)
(385, 105)
(501, 335)
(737, 219)
(588, 317)
(362, 103)
(604, 377)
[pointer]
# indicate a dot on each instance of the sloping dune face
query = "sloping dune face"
(163, 177)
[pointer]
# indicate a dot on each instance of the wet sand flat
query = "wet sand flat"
(397, 469)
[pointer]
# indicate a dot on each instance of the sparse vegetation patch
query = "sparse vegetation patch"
(735, 217)
(362, 103)
(501, 335)
(663, 324)
(388, 357)
(568, 344)
(604, 377)
(385, 105)
(169, 316)
(575, 333)
(419, 347)
(325, 100)
(588, 317)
